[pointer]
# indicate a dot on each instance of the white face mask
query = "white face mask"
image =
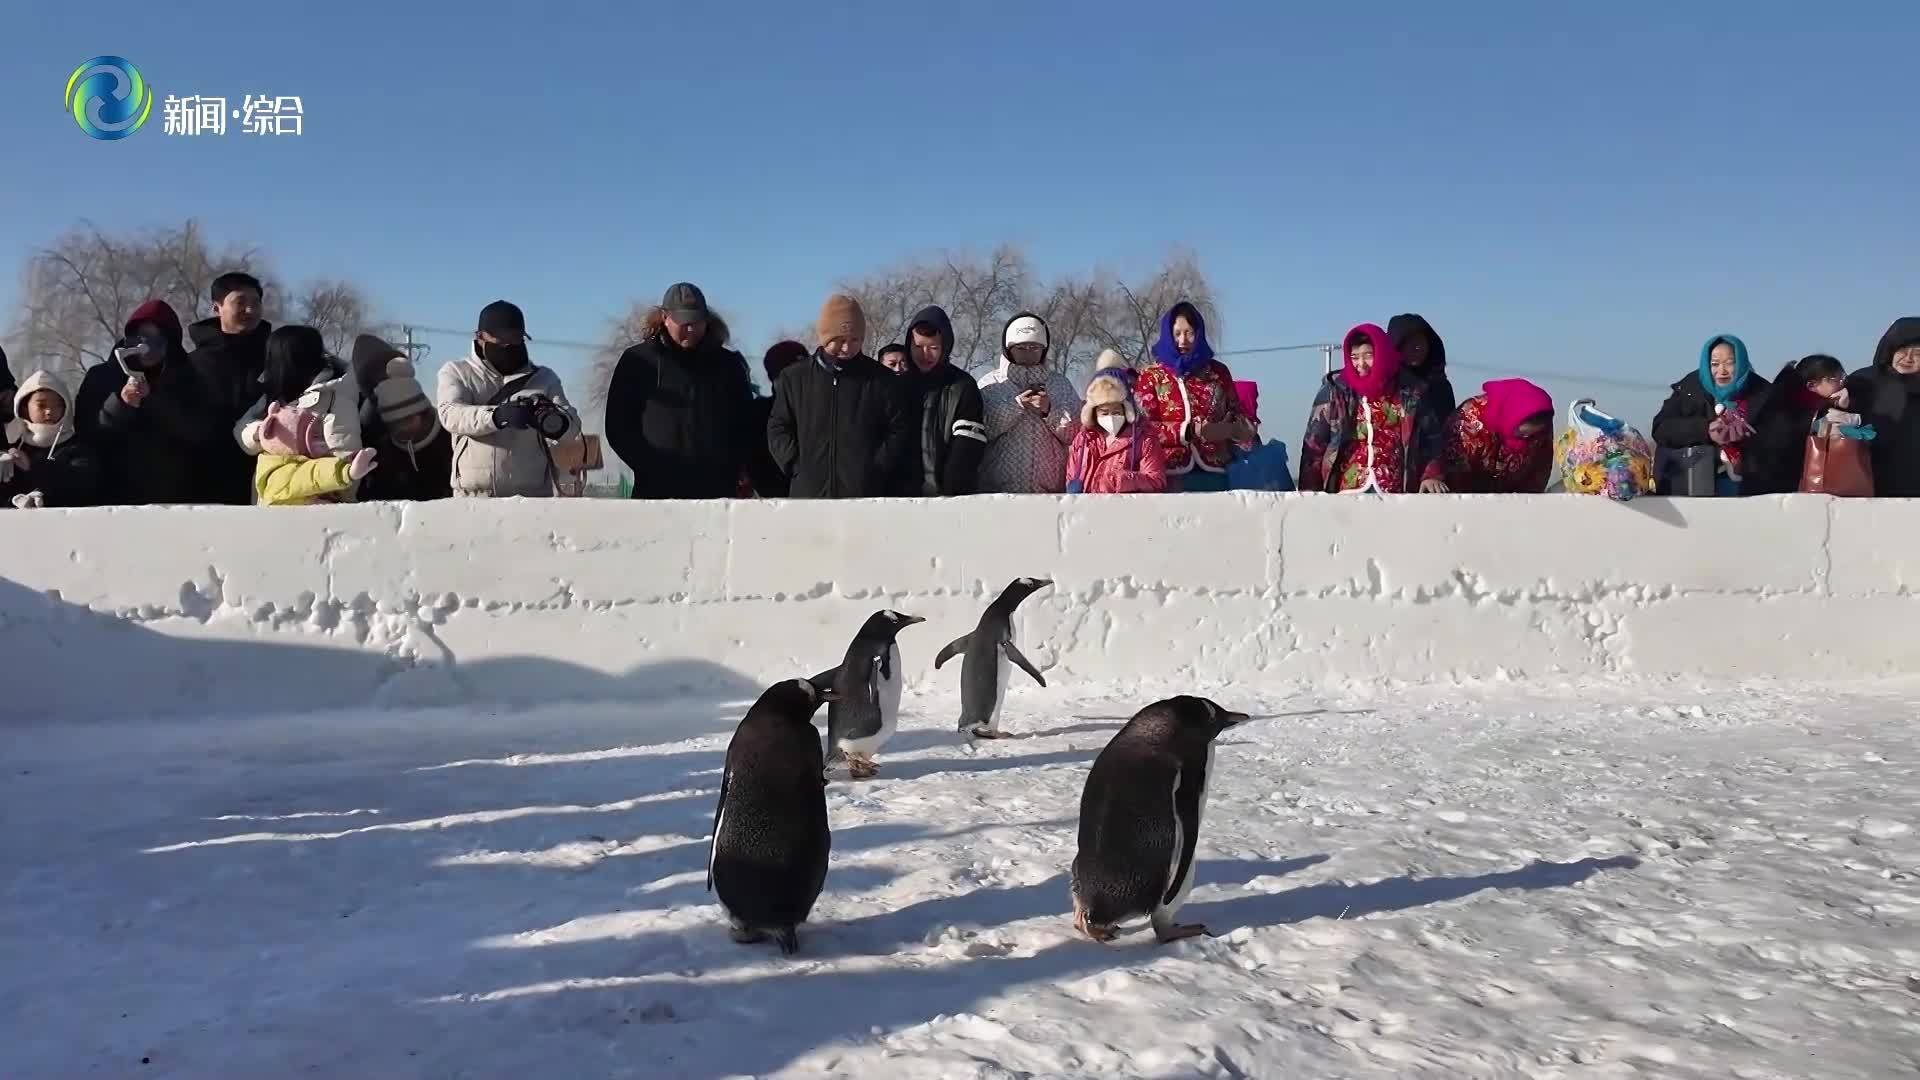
(1112, 422)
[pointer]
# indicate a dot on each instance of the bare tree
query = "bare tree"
(338, 309)
(1130, 321)
(1084, 313)
(77, 292)
(622, 332)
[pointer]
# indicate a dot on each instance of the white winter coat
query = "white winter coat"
(491, 461)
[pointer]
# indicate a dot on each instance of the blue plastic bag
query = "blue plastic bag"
(1264, 468)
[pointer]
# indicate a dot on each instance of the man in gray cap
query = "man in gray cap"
(680, 409)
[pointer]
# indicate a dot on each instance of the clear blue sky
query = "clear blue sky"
(1583, 191)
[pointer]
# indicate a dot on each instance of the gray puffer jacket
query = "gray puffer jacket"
(490, 461)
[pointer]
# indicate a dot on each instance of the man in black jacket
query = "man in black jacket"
(948, 415)
(680, 404)
(841, 425)
(230, 348)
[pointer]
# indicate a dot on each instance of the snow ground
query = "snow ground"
(1460, 882)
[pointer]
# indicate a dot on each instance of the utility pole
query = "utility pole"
(414, 350)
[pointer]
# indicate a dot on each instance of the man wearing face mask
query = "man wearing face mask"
(148, 418)
(504, 412)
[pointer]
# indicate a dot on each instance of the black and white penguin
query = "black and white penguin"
(988, 655)
(1140, 818)
(768, 857)
(866, 710)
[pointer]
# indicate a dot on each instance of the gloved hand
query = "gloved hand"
(32, 500)
(513, 414)
(361, 463)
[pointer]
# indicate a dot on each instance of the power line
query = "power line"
(1326, 349)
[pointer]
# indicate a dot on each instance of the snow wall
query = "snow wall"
(151, 611)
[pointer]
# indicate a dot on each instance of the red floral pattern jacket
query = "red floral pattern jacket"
(1406, 439)
(1477, 462)
(1210, 391)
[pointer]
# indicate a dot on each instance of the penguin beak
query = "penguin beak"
(909, 620)
(1234, 719)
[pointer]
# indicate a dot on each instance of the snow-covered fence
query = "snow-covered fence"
(217, 610)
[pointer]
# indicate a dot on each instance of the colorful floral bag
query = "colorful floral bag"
(1602, 455)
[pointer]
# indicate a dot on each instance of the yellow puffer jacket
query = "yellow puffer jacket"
(279, 480)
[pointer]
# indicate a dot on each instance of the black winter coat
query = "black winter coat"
(840, 432)
(157, 453)
(1776, 454)
(1890, 402)
(682, 419)
(420, 476)
(769, 480)
(67, 474)
(950, 420)
(228, 368)
(1683, 420)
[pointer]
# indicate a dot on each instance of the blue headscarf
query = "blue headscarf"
(1741, 369)
(1183, 364)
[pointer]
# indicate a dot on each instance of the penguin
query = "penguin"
(866, 710)
(768, 858)
(1140, 818)
(989, 653)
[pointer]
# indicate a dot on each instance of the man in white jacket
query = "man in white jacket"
(1031, 414)
(503, 411)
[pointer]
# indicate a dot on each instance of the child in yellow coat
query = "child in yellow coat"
(295, 467)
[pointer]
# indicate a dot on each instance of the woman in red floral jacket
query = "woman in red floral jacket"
(1371, 428)
(1189, 397)
(1501, 441)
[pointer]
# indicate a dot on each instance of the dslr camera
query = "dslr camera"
(548, 420)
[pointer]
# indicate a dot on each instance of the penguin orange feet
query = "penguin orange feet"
(988, 733)
(746, 935)
(861, 767)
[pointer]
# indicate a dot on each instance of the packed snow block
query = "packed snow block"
(1405, 545)
(529, 656)
(154, 562)
(1443, 637)
(865, 548)
(1798, 636)
(556, 552)
(1225, 542)
(1872, 545)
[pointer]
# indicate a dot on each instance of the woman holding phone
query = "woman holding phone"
(144, 410)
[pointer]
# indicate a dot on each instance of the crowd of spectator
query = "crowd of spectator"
(252, 413)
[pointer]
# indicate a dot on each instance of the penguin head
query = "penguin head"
(883, 625)
(799, 699)
(1022, 587)
(1204, 716)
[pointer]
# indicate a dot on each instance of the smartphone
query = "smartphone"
(126, 352)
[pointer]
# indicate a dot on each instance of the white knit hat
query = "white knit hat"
(399, 394)
(1027, 329)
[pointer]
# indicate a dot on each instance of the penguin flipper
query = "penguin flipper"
(829, 677)
(954, 648)
(1187, 787)
(1013, 654)
(719, 808)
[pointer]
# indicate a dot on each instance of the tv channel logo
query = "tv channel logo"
(108, 97)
